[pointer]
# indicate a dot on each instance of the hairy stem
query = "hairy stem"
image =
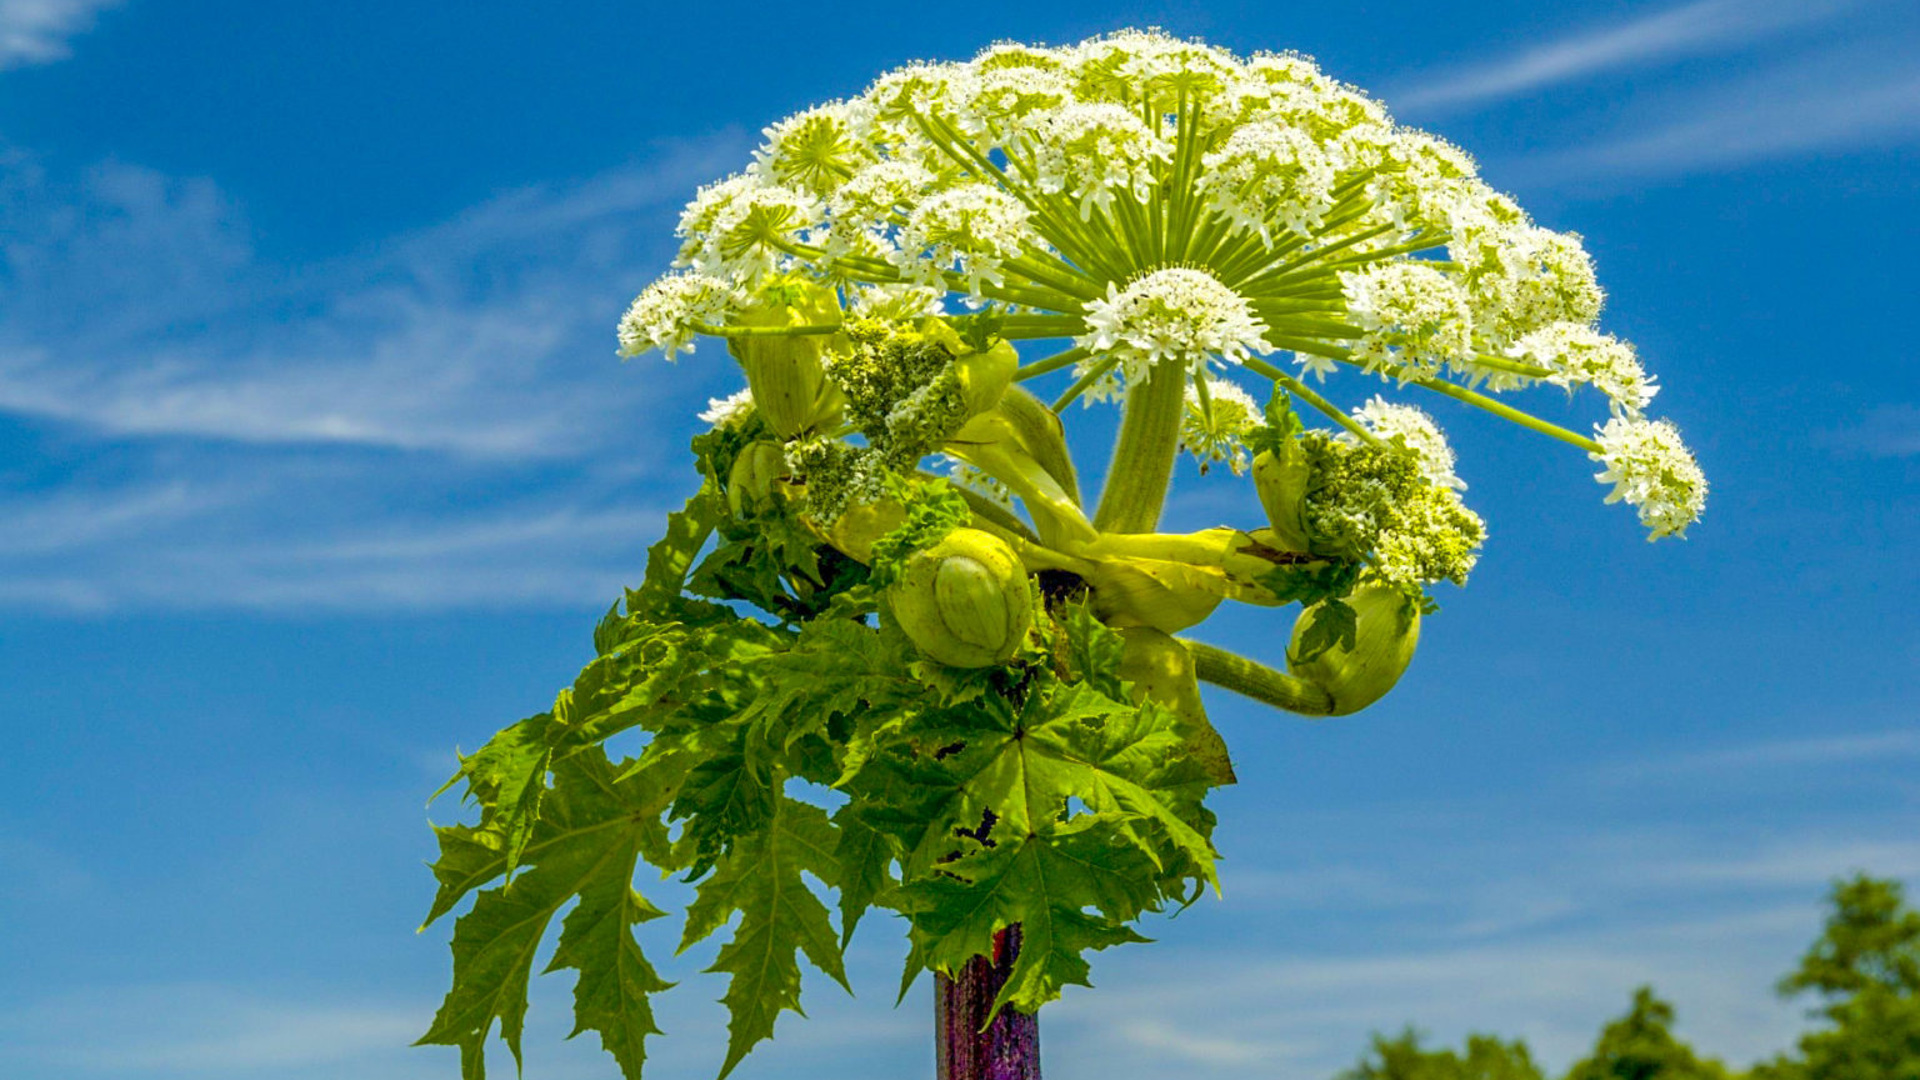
(970, 1048)
(1143, 454)
(1234, 672)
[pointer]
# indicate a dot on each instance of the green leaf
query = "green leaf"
(865, 858)
(508, 779)
(934, 509)
(1074, 801)
(780, 919)
(1094, 650)
(687, 531)
(586, 845)
(1329, 623)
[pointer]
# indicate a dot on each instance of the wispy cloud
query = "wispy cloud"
(1690, 29)
(249, 435)
(200, 1029)
(1884, 431)
(237, 543)
(1842, 100)
(1783, 754)
(37, 31)
(156, 322)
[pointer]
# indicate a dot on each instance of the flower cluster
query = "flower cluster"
(1219, 414)
(1178, 314)
(1654, 472)
(1154, 202)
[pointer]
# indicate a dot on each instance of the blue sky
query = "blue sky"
(315, 462)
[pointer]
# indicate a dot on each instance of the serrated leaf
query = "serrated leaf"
(865, 859)
(981, 801)
(688, 528)
(508, 779)
(780, 920)
(586, 845)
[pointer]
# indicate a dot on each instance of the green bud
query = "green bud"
(1161, 669)
(1386, 630)
(754, 472)
(965, 601)
(789, 381)
(1281, 479)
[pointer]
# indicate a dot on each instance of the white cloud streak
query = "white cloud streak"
(1840, 102)
(37, 31)
(1703, 26)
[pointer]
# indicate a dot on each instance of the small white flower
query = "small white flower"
(1177, 315)
(1127, 64)
(1412, 314)
(1652, 470)
(898, 303)
(917, 88)
(1212, 429)
(729, 411)
(662, 316)
(1577, 354)
(1415, 430)
(1000, 99)
(1317, 366)
(1266, 175)
(973, 228)
(1521, 277)
(817, 149)
(980, 483)
(873, 200)
(1089, 152)
(736, 228)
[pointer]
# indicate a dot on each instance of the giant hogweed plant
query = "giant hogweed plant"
(890, 655)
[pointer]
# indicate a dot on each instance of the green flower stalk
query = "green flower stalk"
(1259, 268)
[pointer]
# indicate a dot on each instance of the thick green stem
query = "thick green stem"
(1143, 454)
(1234, 672)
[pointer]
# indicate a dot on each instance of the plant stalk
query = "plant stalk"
(1143, 454)
(970, 1048)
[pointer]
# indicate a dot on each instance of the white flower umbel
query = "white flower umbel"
(1091, 152)
(1266, 175)
(1214, 426)
(743, 227)
(872, 201)
(1414, 429)
(730, 411)
(1410, 314)
(818, 149)
(974, 229)
(1177, 315)
(1578, 355)
(1652, 470)
(663, 316)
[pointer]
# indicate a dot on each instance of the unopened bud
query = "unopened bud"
(1386, 630)
(965, 601)
(786, 373)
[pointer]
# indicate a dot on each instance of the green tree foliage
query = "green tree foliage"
(1865, 968)
(1485, 1058)
(1641, 1046)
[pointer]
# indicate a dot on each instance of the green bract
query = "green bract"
(976, 672)
(789, 383)
(965, 600)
